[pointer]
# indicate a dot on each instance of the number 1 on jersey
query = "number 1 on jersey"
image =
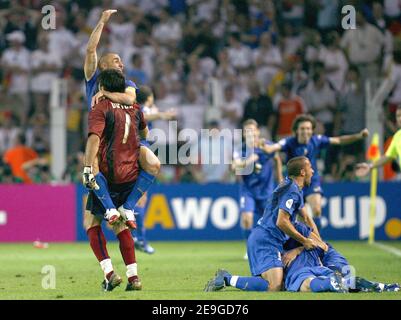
(127, 127)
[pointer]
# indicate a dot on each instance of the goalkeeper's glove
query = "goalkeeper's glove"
(88, 179)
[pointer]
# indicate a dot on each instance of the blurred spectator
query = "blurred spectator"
(168, 31)
(287, 106)
(260, 108)
(6, 175)
(334, 60)
(320, 99)
(45, 69)
(215, 154)
(238, 53)
(363, 47)
(328, 15)
(62, 41)
(9, 131)
(231, 110)
(19, 155)
(267, 59)
(16, 66)
(353, 110)
(137, 73)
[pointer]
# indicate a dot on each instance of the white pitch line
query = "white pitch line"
(388, 248)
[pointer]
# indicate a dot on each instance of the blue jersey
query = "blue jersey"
(92, 87)
(311, 150)
(288, 197)
(260, 183)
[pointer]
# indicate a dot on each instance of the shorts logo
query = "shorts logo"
(289, 203)
(279, 256)
(317, 189)
(242, 202)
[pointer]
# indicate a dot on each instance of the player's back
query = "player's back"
(118, 127)
(287, 196)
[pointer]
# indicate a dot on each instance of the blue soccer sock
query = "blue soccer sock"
(103, 192)
(140, 230)
(249, 283)
(142, 184)
(321, 284)
(318, 222)
(246, 233)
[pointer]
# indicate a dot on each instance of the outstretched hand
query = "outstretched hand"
(362, 169)
(364, 133)
(106, 15)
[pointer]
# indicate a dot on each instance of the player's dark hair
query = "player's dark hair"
(144, 92)
(295, 165)
(303, 118)
(250, 122)
(112, 80)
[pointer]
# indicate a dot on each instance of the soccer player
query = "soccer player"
(393, 151)
(265, 243)
(256, 187)
(113, 138)
(305, 143)
(147, 160)
(151, 113)
(309, 266)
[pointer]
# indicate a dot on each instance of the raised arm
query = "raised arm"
(91, 56)
(279, 167)
(351, 138)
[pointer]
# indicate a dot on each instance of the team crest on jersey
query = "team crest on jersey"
(289, 203)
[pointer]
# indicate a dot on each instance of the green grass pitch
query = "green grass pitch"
(178, 270)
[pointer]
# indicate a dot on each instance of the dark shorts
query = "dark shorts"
(118, 193)
(249, 204)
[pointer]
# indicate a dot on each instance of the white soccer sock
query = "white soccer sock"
(233, 281)
(106, 266)
(132, 270)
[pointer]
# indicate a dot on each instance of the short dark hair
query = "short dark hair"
(144, 92)
(303, 118)
(112, 80)
(295, 165)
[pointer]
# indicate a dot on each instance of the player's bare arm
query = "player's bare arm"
(351, 138)
(161, 115)
(127, 98)
(91, 56)
(278, 167)
(291, 255)
(285, 225)
(308, 220)
(270, 148)
(91, 150)
(92, 147)
(242, 163)
(363, 169)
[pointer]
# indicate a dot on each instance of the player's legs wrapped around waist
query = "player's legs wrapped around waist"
(118, 193)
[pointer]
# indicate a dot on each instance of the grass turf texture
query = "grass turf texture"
(178, 270)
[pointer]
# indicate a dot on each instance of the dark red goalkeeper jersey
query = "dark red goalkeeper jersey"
(118, 128)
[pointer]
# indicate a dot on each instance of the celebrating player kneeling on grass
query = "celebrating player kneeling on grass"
(114, 134)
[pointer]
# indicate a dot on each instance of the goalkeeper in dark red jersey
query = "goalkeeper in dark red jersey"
(114, 135)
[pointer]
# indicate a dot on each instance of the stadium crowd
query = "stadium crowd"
(273, 60)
